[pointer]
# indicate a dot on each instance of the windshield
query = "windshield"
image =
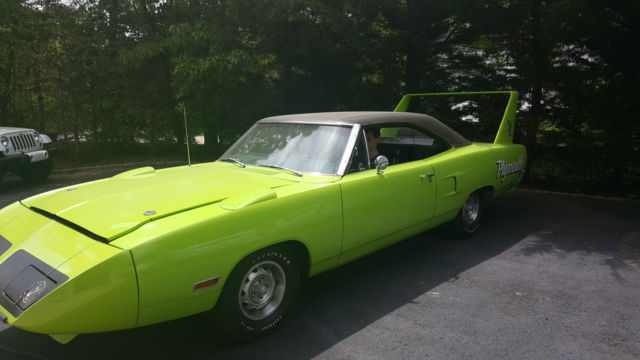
(305, 148)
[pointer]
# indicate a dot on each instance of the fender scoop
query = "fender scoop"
(249, 198)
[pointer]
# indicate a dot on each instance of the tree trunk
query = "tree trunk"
(414, 68)
(5, 97)
(74, 118)
(40, 97)
(538, 72)
(211, 145)
(65, 130)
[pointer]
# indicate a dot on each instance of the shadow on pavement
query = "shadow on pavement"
(607, 228)
(342, 302)
(333, 306)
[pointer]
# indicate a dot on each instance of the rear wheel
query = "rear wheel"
(468, 220)
(260, 293)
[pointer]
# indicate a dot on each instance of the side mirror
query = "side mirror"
(381, 163)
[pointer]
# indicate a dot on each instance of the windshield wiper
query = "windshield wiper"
(234, 161)
(282, 168)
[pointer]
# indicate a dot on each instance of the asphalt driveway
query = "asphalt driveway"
(548, 277)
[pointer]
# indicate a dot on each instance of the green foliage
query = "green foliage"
(121, 71)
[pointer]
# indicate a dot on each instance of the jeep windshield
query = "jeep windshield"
(303, 148)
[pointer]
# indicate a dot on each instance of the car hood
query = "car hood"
(115, 206)
(8, 130)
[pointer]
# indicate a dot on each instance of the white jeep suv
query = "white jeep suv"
(22, 152)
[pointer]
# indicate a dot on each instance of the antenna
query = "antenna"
(186, 132)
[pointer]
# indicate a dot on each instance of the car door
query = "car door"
(379, 209)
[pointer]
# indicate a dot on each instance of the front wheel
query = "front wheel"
(260, 293)
(37, 171)
(468, 220)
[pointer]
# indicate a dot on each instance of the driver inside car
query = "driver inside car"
(373, 137)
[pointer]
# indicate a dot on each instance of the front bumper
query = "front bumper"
(88, 286)
(18, 273)
(18, 163)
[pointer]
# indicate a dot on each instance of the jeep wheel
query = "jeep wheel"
(37, 171)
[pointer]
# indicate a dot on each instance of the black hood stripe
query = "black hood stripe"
(69, 224)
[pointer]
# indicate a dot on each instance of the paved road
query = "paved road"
(549, 277)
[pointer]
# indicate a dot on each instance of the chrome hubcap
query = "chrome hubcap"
(470, 209)
(262, 290)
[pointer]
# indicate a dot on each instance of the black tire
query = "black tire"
(235, 309)
(469, 218)
(37, 171)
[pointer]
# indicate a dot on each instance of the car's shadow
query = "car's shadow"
(334, 305)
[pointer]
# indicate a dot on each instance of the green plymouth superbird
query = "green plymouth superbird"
(296, 195)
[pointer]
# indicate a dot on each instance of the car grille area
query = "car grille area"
(22, 142)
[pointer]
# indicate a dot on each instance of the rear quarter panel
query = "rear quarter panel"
(461, 171)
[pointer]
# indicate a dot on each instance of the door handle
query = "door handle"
(429, 176)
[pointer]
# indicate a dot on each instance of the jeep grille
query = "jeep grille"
(22, 142)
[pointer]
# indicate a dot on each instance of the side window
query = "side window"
(409, 144)
(359, 158)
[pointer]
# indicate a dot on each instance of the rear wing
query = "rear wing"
(507, 125)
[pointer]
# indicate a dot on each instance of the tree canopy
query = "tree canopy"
(120, 71)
